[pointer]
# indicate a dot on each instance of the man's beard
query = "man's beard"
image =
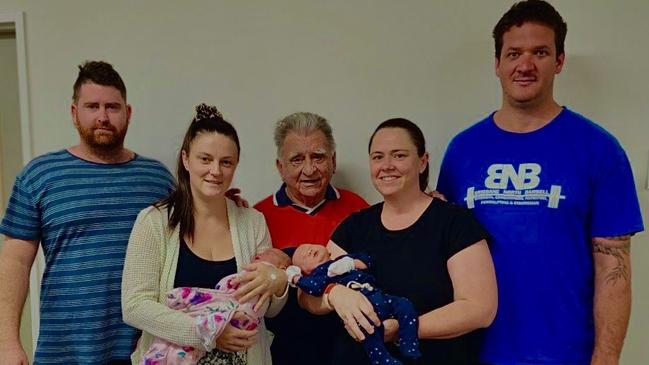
(102, 142)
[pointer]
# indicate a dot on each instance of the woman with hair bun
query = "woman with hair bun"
(194, 238)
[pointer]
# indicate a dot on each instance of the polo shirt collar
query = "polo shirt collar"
(281, 199)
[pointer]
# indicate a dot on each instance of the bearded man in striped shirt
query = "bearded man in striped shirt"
(79, 203)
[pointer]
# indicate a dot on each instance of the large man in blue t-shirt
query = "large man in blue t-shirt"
(556, 193)
(80, 204)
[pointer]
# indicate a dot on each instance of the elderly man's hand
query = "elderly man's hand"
(234, 195)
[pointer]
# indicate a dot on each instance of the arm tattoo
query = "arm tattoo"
(620, 249)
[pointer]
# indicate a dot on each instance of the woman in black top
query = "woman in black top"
(425, 249)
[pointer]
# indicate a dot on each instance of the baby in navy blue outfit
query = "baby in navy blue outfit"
(314, 261)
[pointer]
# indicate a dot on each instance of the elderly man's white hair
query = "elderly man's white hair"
(302, 123)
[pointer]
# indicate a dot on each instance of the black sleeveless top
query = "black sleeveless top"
(194, 271)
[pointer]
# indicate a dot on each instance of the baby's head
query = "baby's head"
(273, 256)
(309, 256)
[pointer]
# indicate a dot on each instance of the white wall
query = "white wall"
(10, 162)
(355, 62)
(10, 147)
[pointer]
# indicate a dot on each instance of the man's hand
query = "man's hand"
(233, 194)
(16, 259)
(436, 195)
(13, 354)
(612, 301)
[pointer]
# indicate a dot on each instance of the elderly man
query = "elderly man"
(305, 209)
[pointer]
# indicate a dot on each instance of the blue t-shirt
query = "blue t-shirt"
(82, 213)
(542, 196)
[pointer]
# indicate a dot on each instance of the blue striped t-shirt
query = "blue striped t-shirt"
(82, 213)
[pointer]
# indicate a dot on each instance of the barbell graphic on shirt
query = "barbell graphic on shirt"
(515, 197)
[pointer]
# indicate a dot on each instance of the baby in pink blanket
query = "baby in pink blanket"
(212, 310)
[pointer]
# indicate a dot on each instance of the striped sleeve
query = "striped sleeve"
(22, 218)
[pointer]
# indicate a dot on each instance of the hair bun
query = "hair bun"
(204, 111)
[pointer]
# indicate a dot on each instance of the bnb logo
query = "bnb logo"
(527, 176)
(525, 181)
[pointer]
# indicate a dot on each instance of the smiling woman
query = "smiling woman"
(193, 239)
(211, 163)
(411, 235)
(398, 158)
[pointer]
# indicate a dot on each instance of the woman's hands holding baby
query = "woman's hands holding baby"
(355, 310)
(233, 339)
(260, 279)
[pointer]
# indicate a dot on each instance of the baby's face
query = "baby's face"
(274, 256)
(308, 256)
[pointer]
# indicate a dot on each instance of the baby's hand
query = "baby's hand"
(293, 273)
(341, 266)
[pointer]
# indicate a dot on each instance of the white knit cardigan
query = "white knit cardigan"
(150, 270)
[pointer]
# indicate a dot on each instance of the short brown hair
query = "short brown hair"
(100, 73)
(531, 11)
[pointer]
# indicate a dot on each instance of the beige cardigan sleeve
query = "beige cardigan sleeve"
(141, 280)
(263, 241)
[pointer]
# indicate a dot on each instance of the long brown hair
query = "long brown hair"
(180, 204)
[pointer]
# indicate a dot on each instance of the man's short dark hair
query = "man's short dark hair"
(100, 73)
(531, 11)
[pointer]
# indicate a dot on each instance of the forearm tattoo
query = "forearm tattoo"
(619, 247)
